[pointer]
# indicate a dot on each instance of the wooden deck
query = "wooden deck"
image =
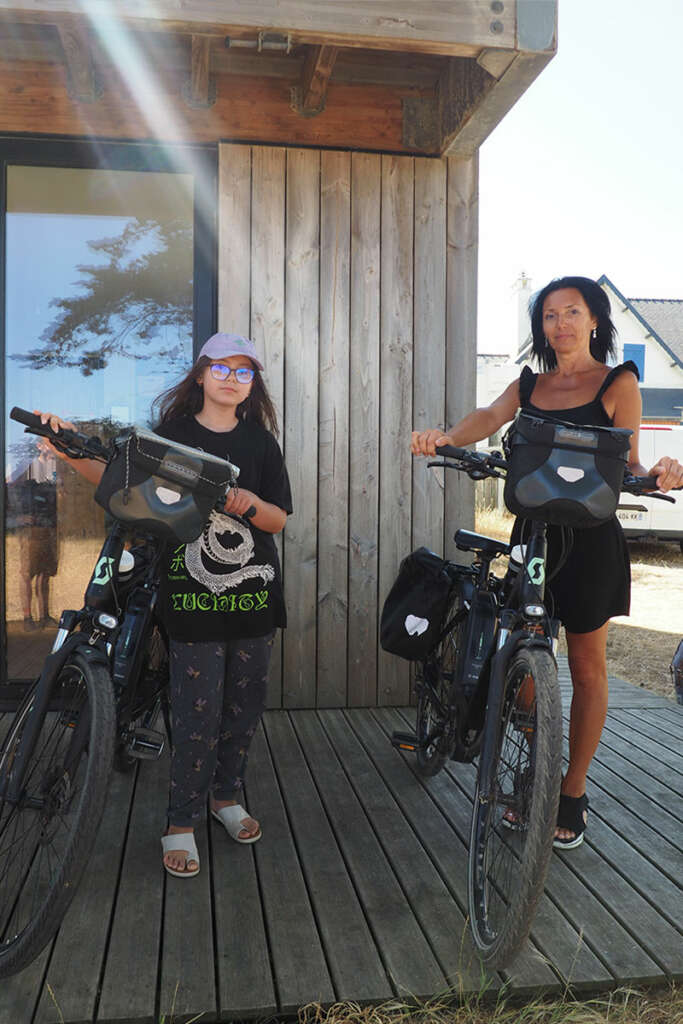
(358, 889)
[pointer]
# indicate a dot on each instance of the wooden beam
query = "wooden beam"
(462, 86)
(246, 109)
(82, 80)
(308, 98)
(455, 27)
(469, 126)
(475, 97)
(200, 88)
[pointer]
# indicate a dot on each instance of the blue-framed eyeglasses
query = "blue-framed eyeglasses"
(243, 375)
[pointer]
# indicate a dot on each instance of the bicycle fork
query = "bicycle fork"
(11, 788)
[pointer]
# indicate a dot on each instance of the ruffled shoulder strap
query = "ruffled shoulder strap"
(527, 383)
(614, 373)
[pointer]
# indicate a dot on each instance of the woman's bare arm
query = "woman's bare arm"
(474, 427)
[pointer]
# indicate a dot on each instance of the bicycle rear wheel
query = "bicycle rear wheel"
(512, 831)
(47, 836)
(434, 729)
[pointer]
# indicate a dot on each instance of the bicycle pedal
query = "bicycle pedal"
(405, 741)
(147, 744)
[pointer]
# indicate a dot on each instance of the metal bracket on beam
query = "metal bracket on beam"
(421, 129)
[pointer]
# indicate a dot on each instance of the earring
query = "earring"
(594, 334)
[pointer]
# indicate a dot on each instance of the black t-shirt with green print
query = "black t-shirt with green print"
(227, 583)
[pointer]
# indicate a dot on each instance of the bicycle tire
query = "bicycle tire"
(507, 866)
(43, 852)
(433, 716)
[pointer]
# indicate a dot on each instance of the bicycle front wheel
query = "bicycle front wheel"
(513, 826)
(46, 837)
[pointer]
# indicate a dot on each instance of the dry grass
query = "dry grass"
(624, 1006)
(639, 646)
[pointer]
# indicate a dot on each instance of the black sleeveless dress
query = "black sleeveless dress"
(594, 584)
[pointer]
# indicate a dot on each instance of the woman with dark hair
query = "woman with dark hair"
(221, 594)
(573, 335)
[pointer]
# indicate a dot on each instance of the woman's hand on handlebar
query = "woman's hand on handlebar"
(426, 442)
(669, 473)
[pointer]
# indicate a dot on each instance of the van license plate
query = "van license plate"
(631, 517)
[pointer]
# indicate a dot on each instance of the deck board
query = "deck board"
(358, 889)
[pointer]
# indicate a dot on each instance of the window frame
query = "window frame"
(124, 156)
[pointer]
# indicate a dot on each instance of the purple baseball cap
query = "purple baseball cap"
(220, 346)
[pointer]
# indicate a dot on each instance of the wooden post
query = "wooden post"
(83, 85)
(200, 88)
(396, 398)
(364, 434)
(461, 328)
(308, 98)
(302, 292)
(333, 452)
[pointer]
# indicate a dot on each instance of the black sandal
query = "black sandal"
(572, 814)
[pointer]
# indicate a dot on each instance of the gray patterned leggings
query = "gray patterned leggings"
(217, 695)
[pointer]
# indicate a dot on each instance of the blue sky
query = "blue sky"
(585, 174)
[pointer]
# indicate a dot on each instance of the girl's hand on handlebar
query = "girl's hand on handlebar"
(669, 473)
(238, 502)
(425, 442)
(57, 425)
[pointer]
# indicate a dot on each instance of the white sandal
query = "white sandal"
(181, 841)
(231, 818)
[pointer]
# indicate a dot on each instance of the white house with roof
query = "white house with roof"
(650, 332)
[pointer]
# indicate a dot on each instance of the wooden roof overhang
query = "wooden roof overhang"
(418, 76)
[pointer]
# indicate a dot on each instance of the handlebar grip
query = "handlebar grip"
(646, 482)
(29, 419)
(251, 512)
(449, 452)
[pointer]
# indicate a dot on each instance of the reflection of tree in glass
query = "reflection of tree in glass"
(124, 304)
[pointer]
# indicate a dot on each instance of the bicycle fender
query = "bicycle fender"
(93, 653)
(499, 663)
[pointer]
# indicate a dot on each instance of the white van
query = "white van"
(648, 517)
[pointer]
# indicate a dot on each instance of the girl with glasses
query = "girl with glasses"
(221, 595)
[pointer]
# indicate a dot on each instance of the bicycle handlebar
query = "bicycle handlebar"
(72, 442)
(479, 465)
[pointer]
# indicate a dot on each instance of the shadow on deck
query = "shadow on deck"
(358, 889)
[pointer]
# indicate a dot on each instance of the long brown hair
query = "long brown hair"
(187, 398)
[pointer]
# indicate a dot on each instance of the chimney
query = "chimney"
(524, 293)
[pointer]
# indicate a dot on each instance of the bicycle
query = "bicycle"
(97, 699)
(489, 689)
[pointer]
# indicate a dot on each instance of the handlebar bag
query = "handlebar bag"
(166, 488)
(565, 474)
(415, 606)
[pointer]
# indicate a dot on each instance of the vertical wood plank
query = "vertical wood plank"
(301, 423)
(268, 308)
(333, 486)
(461, 328)
(234, 238)
(364, 428)
(429, 344)
(396, 397)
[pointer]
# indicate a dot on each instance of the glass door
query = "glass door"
(100, 304)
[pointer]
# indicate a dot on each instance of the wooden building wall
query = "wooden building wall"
(355, 273)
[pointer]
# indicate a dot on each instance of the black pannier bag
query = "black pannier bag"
(166, 488)
(413, 613)
(565, 474)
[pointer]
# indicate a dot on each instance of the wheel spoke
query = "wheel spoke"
(508, 864)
